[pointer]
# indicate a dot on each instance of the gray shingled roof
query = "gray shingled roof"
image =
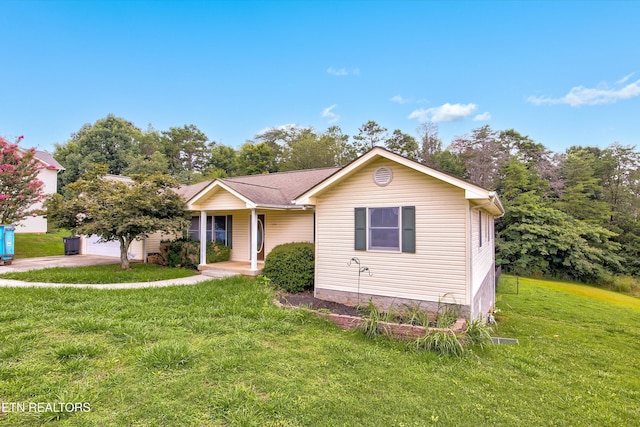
(268, 189)
(48, 159)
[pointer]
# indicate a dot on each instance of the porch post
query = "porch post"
(203, 238)
(254, 240)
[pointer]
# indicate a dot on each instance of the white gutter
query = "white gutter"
(493, 197)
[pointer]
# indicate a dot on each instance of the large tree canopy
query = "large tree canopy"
(108, 141)
(118, 211)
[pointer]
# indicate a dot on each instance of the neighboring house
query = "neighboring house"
(426, 237)
(49, 177)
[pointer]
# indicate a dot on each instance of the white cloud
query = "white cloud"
(444, 113)
(602, 94)
(625, 79)
(343, 71)
(328, 113)
(482, 117)
(399, 100)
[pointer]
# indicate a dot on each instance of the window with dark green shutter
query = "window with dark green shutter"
(385, 229)
(361, 229)
(409, 229)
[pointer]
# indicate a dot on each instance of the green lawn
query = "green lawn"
(100, 274)
(37, 245)
(220, 353)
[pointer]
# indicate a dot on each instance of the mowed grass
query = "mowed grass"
(600, 294)
(37, 245)
(221, 354)
(101, 274)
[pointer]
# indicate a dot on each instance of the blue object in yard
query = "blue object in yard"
(7, 243)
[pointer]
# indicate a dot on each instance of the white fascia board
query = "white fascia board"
(471, 191)
(250, 204)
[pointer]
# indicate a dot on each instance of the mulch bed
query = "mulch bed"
(306, 299)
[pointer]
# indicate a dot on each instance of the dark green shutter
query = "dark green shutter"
(229, 230)
(409, 229)
(361, 229)
(480, 228)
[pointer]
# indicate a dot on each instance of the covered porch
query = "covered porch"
(242, 230)
(251, 215)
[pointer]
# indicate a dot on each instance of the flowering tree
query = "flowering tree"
(20, 187)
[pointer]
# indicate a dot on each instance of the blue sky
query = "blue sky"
(564, 73)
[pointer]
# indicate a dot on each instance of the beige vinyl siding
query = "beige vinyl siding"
(482, 256)
(287, 226)
(136, 251)
(240, 235)
(439, 265)
(153, 241)
(218, 199)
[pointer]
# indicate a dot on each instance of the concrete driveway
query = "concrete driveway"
(25, 264)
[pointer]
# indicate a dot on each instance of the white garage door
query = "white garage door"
(104, 248)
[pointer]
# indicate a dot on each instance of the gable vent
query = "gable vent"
(382, 176)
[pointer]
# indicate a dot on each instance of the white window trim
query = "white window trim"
(399, 228)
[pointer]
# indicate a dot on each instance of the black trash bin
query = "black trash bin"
(71, 245)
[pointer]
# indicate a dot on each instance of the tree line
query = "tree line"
(569, 215)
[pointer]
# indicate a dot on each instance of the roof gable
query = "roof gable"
(48, 160)
(266, 190)
(472, 192)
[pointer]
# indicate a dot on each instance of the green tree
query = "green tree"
(187, 152)
(255, 159)
(223, 159)
(369, 135)
(110, 141)
(451, 163)
(518, 179)
(118, 211)
(545, 241)
(20, 187)
(308, 150)
(582, 192)
(343, 151)
(620, 178)
(403, 144)
(155, 163)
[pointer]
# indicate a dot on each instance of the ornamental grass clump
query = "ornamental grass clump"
(477, 333)
(444, 342)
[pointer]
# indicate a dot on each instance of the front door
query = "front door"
(261, 234)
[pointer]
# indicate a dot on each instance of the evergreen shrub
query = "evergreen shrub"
(291, 266)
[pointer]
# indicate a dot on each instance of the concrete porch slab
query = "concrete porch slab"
(230, 268)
